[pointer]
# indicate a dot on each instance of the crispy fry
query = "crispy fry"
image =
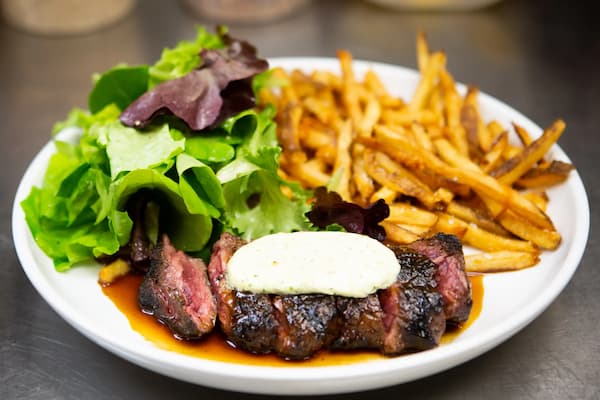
(435, 62)
(487, 241)
(433, 159)
(398, 234)
(384, 193)
(403, 213)
(370, 117)
(475, 216)
(540, 199)
(360, 178)
(500, 261)
(413, 157)
(343, 162)
(515, 167)
(113, 271)
(422, 52)
(389, 173)
(550, 175)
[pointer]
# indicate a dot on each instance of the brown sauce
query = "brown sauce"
(123, 293)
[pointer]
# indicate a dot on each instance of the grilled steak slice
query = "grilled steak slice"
(361, 323)
(414, 318)
(451, 277)
(307, 323)
(246, 319)
(177, 292)
(253, 323)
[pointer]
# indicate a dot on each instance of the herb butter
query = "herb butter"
(337, 263)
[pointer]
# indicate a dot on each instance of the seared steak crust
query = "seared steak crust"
(253, 322)
(307, 323)
(361, 323)
(451, 277)
(414, 318)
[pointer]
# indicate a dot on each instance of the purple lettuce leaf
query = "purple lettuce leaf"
(329, 208)
(219, 88)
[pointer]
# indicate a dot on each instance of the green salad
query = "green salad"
(183, 135)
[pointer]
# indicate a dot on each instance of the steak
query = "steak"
(414, 318)
(247, 320)
(410, 315)
(451, 277)
(361, 323)
(307, 323)
(176, 291)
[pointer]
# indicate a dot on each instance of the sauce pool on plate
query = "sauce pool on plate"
(123, 293)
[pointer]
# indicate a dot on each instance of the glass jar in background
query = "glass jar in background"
(64, 17)
(243, 11)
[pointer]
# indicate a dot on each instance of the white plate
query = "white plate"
(511, 300)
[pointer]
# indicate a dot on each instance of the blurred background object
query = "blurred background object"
(64, 17)
(243, 11)
(435, 5)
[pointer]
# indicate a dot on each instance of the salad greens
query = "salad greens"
(223, 177)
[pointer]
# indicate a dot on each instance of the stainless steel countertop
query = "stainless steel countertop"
(541, 57)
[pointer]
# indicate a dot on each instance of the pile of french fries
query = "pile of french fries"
(432, 158)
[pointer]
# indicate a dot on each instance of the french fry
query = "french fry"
(422, 52)
(515, 167)
(362, 181)
(384, 193)
(500, 261)
(414, 157)
(403, 213)
(433, 159)
(487, 241)
(475, 216)
(349, 95)
(435, 62)
(522, 134)
(113, 271)
(398, 234)
(554, 173)
(493, 157)
(389, 173)
(343, 162)
(370, 117)
(450, 224)
(540, 199)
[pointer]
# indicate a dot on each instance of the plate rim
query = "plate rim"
(283, 380)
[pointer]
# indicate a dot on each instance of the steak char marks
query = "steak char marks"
(409, 315)
(247, 319)
(176, 291)
(414, 318)
(452, 281)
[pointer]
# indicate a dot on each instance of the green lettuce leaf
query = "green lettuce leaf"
(64, 216)
(129, 149)
(187, 230)
(178, 61)
(255, 205)
(120, 86)
(199, 187)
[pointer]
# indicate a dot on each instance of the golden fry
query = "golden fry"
(113, 271)
(433, 159)
(404, 213)
(515, 167)
(500, 261)
(550, 175)
(398, 234)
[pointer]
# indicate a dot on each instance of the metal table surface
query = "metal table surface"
(541, 57)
